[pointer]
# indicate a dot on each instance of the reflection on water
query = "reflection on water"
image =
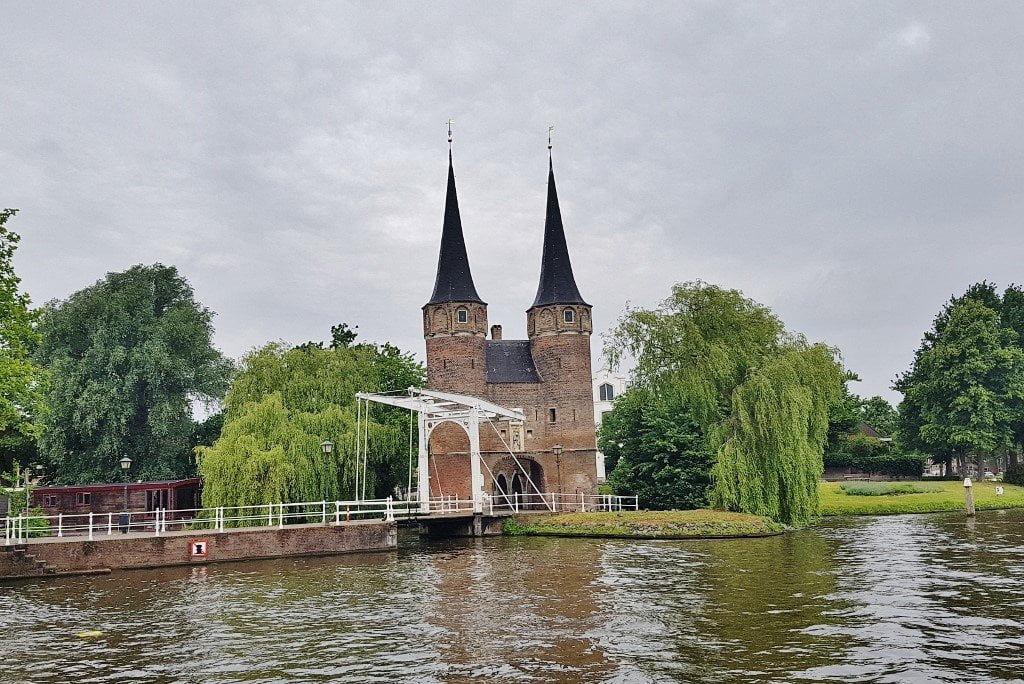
(891, 599)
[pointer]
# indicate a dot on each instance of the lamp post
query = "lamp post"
(126, 463)
(557, 451)
(326, 446)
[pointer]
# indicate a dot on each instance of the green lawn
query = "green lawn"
(949, 498)
(644, 524)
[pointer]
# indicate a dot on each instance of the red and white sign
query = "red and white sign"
(197, 548)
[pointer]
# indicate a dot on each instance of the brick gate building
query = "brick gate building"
(548, 375)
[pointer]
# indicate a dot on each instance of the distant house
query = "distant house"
(849, 472)
(173, 495)
(607, 387)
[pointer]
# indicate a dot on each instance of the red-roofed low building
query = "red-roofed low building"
(174, 495)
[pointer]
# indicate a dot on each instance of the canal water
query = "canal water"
(929, 598)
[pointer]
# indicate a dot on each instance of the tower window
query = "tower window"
(462, 315)
(607, 392)
(569, 315)
(552, 415)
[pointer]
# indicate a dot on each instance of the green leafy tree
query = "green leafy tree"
(963, 393)
(655, 451)
(879, 414)
(759, 397)
(22, 382)
(284, 402)
(128, 356)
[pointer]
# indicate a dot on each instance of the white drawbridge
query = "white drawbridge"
(435, 408)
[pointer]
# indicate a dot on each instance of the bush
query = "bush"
(886, 488)
(1014, 475)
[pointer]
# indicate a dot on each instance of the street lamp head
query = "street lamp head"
(126, 463)
(557, 449)
(327, 446)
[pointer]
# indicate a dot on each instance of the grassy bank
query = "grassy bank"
(946, 496)
(645, 525)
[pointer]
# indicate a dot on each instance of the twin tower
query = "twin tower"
(547, 375)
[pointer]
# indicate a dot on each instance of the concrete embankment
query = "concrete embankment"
(70, 555)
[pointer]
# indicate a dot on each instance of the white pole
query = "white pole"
(280, 517)
(423, 467)
(366, 442)
(337, 512)
(476, 474)
(110, 524)
(270, 515)
(90, 525)
(324, 505)
(358, 442)
(60, 524)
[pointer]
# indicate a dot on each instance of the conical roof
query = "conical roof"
(557, 284)
(454, 281)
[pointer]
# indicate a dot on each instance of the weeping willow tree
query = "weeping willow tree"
(284, 403)
(759, 397)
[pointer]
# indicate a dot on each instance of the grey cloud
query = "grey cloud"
(849, 165)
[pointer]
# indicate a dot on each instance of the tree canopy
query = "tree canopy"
(654, 450)
(964, 393)
(127, 356)
(758, 397)
(285, 401)
(22, 382)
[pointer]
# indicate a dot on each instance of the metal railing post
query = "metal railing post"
(90, 525)
(324, 504)
(110, 524)
(270, 515)
(280, 516)
(389, 512)
(60, 524)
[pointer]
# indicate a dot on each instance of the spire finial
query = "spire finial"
(550, 128)
(450, 122)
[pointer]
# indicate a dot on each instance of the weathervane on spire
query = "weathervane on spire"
(450, 122)
(550, 128)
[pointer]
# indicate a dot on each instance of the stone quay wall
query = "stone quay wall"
(73, 555)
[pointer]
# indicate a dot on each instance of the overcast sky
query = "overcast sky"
(851, 165)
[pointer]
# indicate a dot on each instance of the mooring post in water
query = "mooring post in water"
(970, 496)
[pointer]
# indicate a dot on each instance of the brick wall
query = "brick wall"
(174, 548)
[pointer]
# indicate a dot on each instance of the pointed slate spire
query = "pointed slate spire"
(557, 284)
(454, 281)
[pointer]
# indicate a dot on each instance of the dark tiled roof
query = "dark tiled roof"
(869, 431)
(454, 282)
(510, 361)
(557, 284)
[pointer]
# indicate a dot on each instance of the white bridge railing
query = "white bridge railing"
(21, 528)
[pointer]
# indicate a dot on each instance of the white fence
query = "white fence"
(18, 529)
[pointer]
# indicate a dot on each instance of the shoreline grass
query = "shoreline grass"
(948, 497)
(695, 524)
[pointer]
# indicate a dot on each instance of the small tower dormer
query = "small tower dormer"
(455, 318)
